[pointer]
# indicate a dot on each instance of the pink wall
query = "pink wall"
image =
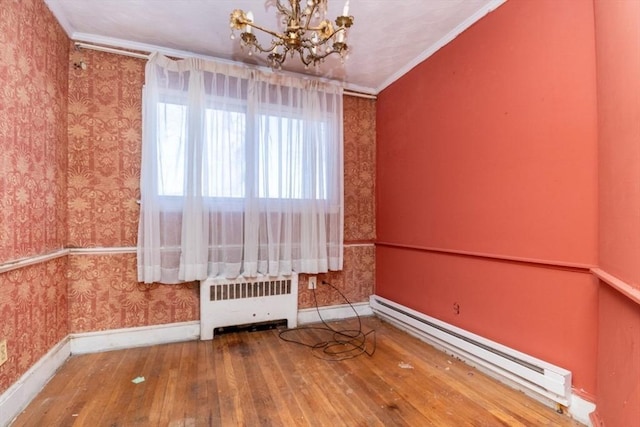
(618, 53)
(618, 69)
(519, 305)
(489, 148)
(618, 394)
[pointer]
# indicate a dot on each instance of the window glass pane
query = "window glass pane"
(291, 159)
(171, 145)
(279, 157)
(225, 154)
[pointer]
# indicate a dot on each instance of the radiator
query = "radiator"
(244, 301)
(527, 372)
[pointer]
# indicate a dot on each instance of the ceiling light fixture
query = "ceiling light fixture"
(306, 31)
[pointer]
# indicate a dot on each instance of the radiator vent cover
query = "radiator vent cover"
(246, 289)
(246, 301)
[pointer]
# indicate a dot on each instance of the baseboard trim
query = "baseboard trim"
(333, 312)
(596, 420)
(118, 339)
(581, 410)
(17, 397)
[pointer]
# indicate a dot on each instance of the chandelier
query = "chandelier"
(306, 31)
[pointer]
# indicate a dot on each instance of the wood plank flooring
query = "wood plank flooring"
(257, 379)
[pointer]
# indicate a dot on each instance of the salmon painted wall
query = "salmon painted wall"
(618, 76)
(33, 159)
(104, 168)
(487, 184)
(618, 71)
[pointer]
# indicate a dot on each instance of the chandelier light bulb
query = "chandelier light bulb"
(250, 19)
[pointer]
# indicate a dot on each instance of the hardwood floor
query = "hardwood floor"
(257, 379)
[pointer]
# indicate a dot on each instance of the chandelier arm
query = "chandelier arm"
(332, 34)
(307, 44)
(279, 59)
(322, 42)
(313, 58)
(308, 60)
(307, 25)
(320, 57)
(272, 33)
(269, 50)
(283, 10)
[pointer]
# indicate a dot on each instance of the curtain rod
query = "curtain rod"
(111, 50)
(146, 56)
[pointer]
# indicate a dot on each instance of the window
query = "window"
(241, 173)
(225, 145)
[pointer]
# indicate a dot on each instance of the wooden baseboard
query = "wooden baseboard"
(117, 339)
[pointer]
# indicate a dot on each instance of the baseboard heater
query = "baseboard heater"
(529, 373)
(245, 301)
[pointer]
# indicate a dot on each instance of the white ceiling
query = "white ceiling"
(388, 38)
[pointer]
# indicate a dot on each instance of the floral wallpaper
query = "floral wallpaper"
(104, 161)
(104, 293)
(355, 281)
(70, 140)
(33, 115)
(105, 131)
(34, 65)
(359, 169)
(34, 313)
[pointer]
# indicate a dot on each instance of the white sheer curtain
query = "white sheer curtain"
(241, 173)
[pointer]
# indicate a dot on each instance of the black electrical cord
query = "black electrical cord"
(343, 343)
